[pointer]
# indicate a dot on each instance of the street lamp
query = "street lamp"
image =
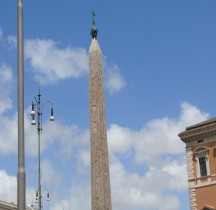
(47, 196)
(36, 103)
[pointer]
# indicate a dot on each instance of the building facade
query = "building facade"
(11, 206)
(200, 140)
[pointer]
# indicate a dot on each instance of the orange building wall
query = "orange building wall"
(206, 196)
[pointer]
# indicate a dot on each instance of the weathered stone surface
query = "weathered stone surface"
(100, 178)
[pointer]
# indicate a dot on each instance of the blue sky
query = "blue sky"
(159, 72)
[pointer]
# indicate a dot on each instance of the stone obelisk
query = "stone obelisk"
(100, 178)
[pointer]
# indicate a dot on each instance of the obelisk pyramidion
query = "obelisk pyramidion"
(100, 178)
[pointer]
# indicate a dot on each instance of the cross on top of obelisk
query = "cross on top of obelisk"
(93, 15)
(94, 29)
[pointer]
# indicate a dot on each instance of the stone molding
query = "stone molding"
(193, 205)
(191, 177)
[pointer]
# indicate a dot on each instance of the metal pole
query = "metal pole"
(21, 191)
(39, 131)
(39, 173)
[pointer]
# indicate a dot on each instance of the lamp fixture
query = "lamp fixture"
(52, 118)
(33, 122)
(32, 111)
(48, 197)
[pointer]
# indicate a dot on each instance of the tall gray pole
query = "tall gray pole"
(21, 191)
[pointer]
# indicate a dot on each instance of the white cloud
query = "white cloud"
(77, 198)
(176, 171)
(152, 147)
(191, 115)
(8, 187)
(6, 84)
(8, 125)
(158, 137)
(135, 191)
(8, 134)
(52, 63)
(120, 139)
(49, 173)
(66, 136)
(84, 157)
(12, 41)
(1, 34)
(115, 82)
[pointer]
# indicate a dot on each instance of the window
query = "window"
(207, 208)
(202, 162)
(203, 168)
(200, 141)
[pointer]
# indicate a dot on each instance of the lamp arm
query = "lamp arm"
(35, 101)
(45, 189)
(41, 112)
(50, 102)
(48, 196)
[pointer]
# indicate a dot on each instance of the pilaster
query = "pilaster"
(191, 178)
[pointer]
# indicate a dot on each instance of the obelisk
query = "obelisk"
(100, 178)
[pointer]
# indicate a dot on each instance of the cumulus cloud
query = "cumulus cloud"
(66, 136)
(115, 82)
(8, 135)
(155, 149)
(1, 34)
(157, 137)
(6, 84)
(8, 187)
(51, 63)
(78, 198)
(146, 190)
(84, 157)
(12, 41)
(133, 191)
(8, 125)
(49, 173)
(161, 154)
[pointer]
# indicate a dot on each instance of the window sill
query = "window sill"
(203, 177)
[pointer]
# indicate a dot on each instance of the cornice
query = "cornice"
(199, 132)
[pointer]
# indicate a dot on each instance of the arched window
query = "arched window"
(202, 162)
(207, 208)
